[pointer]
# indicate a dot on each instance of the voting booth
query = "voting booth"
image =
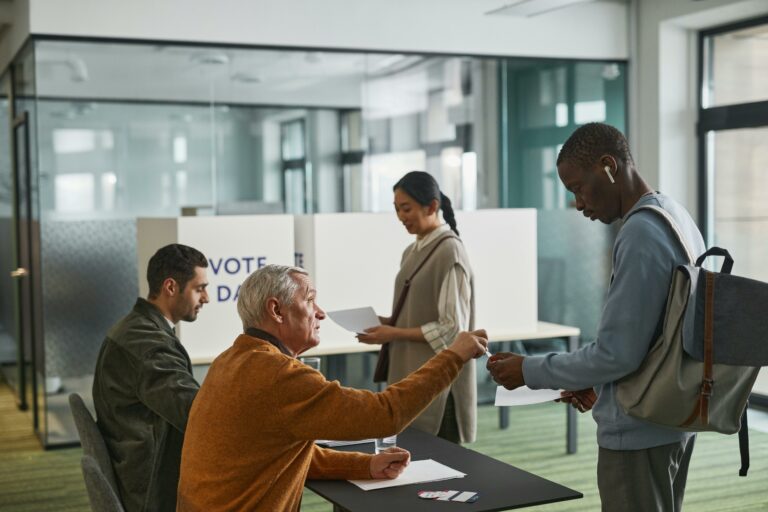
(353, 259)
(235, 246)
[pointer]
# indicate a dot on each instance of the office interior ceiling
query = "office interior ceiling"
(81, 70)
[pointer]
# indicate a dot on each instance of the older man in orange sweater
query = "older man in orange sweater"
(250, 437)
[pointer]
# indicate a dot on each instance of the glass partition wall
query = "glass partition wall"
(125, 130)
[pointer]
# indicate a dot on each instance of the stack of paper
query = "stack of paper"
(416, 472)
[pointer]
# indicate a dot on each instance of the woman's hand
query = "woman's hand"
(378, 335)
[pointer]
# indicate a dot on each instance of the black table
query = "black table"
(501, 486)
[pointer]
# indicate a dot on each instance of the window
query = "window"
(543, 103)
(294, 167)
(733, 155)
(733, 128)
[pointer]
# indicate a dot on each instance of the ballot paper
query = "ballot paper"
(416, 472)
(355, 320)
(524, 396)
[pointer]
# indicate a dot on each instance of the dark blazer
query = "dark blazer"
(143, 389)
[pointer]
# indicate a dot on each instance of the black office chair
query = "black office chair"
(94, 449)
(100, 493)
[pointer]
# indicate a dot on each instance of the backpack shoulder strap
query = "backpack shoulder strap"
(672, 224)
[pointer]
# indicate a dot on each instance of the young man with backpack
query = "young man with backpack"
(640, 466)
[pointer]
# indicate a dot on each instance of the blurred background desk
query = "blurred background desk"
(500, 486)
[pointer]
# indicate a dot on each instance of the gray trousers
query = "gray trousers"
(647, 480)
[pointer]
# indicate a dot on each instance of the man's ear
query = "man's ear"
(273, 310)
(170, 287)
(610, 162)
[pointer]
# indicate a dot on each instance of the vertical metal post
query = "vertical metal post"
(571, 424)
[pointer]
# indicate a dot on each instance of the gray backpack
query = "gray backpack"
(699, 373)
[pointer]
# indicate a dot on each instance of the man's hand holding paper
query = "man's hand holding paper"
(583, 399)
(506, 369)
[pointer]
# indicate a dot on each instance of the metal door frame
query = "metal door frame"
(26, 310)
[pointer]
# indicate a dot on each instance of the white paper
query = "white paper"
(416, 472)
(331, 443)
(524, 396)
(355, 320)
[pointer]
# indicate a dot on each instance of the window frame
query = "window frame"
(719, 118)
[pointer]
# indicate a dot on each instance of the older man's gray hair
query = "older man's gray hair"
(270, 281)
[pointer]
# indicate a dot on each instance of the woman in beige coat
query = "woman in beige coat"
(439, 303)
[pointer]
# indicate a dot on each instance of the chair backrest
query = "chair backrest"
(91, 438)
(100, 493)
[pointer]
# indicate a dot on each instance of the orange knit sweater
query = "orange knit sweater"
(249, 439)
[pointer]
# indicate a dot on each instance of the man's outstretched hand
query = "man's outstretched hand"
(506, 369)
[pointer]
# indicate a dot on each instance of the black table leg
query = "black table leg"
(571, 436)
(505, 346)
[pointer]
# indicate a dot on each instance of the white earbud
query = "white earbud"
(608, 172)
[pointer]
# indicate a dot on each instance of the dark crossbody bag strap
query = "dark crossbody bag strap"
(407, 285)
(382, 364)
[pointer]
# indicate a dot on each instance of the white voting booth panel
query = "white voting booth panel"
(353, 259)
(235, 246)
(501, 245)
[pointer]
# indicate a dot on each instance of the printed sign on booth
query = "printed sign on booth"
(235, 246)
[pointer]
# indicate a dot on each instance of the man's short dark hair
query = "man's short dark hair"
(591, 141)
(176, 261)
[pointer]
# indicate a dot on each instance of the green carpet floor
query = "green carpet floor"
(38, 481)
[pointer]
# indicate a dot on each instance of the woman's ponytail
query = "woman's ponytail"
(450, 218)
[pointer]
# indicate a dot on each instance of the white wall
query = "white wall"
(663, 104)
(444, 26)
